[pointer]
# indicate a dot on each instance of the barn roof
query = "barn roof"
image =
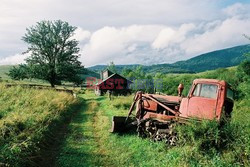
(111, 77)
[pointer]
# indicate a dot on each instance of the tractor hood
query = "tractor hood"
(166, 99)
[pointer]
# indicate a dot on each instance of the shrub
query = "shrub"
(230, 142)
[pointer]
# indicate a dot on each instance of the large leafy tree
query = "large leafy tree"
(54, 53)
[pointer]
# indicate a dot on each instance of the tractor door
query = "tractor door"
(202, 101)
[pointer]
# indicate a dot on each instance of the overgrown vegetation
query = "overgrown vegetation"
(211, 143)
(89, 142)
(27, 116)
(24, 121)
(215, 145)
(204, 143)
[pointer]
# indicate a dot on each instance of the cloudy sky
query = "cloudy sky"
(130, 31)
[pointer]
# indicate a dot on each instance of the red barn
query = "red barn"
(112, 82)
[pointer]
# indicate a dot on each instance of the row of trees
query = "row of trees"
(238, 78)
(54, 54)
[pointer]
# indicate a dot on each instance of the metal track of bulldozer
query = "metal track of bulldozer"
(158, 131)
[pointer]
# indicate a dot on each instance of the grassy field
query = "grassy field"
(89, 142)
(29, 133)
(27, 117)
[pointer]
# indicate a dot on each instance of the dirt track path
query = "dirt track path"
(83, 145)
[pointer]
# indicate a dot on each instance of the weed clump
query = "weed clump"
(212, 142)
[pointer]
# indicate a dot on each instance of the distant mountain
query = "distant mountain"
(216, 59)
(208, 61)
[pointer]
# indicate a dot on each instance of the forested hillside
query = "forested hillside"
(213, 60)
(208, 61)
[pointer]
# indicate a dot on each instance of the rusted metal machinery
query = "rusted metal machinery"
(157, 115)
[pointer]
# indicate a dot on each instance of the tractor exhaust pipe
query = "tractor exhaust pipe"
(180, 89)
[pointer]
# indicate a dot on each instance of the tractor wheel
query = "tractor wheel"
(172, 140)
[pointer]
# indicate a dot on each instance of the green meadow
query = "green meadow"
(49, 128)
(89, 142)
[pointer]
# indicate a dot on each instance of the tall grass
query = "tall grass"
(216, 145)
(26, 116)
(200, 143)
(205, 143)
(89, 142)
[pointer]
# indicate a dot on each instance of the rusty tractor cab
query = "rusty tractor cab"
(156, 115)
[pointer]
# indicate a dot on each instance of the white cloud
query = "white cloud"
(81, 35)
(110, 43)
(170, 36)
(126, 32)
(237, 9)
(13, 60)
(151, 44)
(164, 38)
(228, 33)
(17, 15)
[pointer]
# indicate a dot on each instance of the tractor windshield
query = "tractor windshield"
(206, 90)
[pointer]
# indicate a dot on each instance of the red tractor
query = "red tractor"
(156, 115)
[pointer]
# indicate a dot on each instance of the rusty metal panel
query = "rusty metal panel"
(150, 105)
(184, 107)
(221, 100)
(199, 107)
(167, 98)
(203, 100)
(158, 116)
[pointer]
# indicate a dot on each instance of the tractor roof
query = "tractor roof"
(216, 81)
